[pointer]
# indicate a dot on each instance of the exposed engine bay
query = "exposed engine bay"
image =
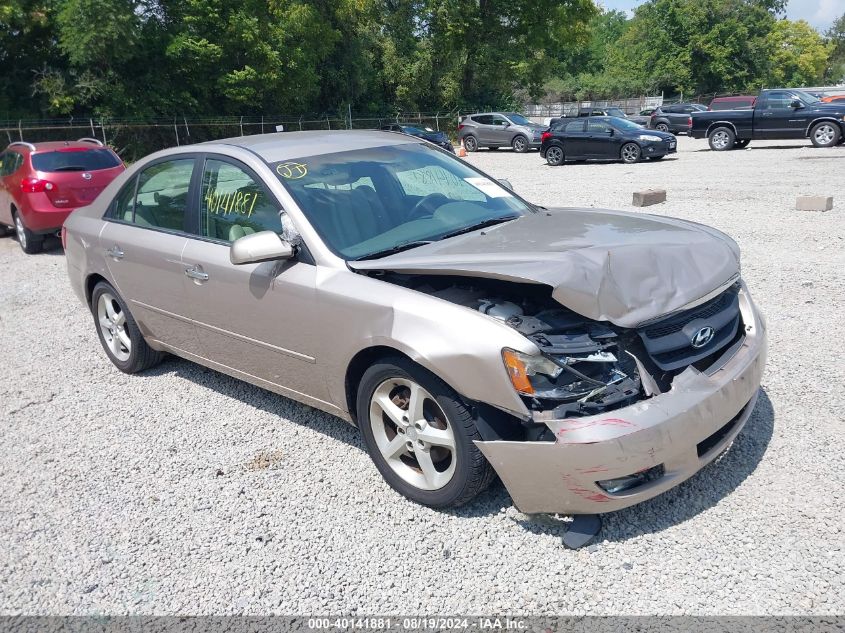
(587, 367)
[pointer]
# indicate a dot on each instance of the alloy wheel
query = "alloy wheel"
(21, 231)
(554, 156)
(662, 127)
(413, 434)
(112, 322)
(519, 144)
(630, 153)
(721, 140)
(825, 134)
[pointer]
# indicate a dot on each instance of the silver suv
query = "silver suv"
(499, 129)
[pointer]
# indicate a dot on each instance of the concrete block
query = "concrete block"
(814, 203)
(649, 197)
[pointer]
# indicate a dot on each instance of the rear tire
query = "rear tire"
(470, 143)
(825, 134)
(119, 334)
(446, 472)
(30, 242)
(555, 156)
(722, 139)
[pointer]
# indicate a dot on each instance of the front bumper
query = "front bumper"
(681, 430)
(663, 148)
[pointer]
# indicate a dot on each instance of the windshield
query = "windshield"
(518, 119)
(368, 201)
(806, 98)
(616, 112)
(625, 124)
(74, 159)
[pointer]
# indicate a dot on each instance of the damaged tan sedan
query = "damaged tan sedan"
(592, 359)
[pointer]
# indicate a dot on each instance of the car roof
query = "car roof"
(736, 98)
(51, 145)
(280, 146)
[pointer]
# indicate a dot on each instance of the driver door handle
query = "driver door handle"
(115, 253)
(194, 272)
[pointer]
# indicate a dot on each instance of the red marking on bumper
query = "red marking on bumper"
(578, 425)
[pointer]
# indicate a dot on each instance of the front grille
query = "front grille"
(669, 342)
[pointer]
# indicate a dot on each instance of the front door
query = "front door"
(602, 141)
(775, 118)
(143, 241)
(500, 132)
(252, 318)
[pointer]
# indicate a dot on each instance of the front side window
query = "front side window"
(779, 101)
(123, 207)
(598, 127)
(500, 121)
(75, 159)
(366, 203)
(233, 203)
(162, 198)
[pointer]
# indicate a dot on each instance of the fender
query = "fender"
(721, 124)
(825, 119)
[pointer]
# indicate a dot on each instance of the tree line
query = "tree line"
(152, 58)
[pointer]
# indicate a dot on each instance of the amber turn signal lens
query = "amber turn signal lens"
(517, 372)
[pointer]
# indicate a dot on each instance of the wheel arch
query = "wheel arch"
(824, 119)
(362, 361)
(719, 124)
(90, 282)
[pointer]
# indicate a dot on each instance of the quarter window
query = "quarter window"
(233, 203)
(162, 199)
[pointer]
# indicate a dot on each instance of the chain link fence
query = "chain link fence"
(134, 138)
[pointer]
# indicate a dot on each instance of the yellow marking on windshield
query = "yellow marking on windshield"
(292, 171)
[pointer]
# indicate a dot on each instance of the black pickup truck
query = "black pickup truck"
(777, 114)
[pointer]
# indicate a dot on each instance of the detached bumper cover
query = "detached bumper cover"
(681, 430)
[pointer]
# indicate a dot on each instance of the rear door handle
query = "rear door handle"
(194, 272)
(115, 253)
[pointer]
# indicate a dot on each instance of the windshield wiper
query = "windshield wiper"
(480, 225)
(404, 246)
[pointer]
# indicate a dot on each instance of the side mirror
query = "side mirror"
(797, 105)
(265, 246)
(506, 184)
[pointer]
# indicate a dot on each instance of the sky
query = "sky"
(819, 13)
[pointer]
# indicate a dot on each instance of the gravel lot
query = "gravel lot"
(185, 491)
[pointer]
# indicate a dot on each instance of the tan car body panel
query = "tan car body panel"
(294, 328)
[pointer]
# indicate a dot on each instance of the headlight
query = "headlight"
(523, 367)
(650, 138)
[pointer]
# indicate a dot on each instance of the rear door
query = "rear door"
(7, 160)
(143, 239)
(256, 319)
(575, 140)
(78, 174)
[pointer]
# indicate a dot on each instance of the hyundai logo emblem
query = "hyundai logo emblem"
(87, 176)
(703, 337)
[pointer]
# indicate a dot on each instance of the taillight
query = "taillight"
(36, 185)
(545, 136)
(64, 237)
(460, 126)
(689, 123)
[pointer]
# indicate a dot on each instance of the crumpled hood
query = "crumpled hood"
(624, 268)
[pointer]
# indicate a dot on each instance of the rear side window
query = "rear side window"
(162, 198)
(10, 162)
(575, 126)
(75, 159)
(483, 119)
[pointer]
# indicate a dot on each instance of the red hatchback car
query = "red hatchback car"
(41, 184)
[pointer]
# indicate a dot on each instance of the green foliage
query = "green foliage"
(153, 58)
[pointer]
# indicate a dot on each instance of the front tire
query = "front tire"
(722, 139)
(420, 435)
(555, 156)
(520, 144)
(30, 243)
(119, 334)
(471, 144)
(630, 153)
(825, 134)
